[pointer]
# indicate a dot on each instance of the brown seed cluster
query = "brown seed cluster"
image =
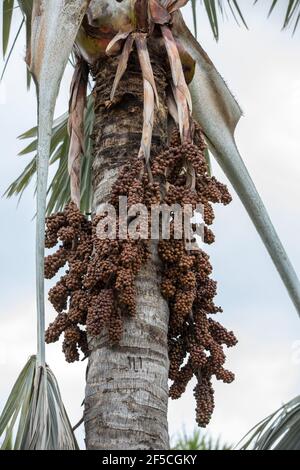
(195, 340)
(115, 261)
(98, 289)
(73, 232)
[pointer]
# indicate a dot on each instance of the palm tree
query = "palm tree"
(127, 385)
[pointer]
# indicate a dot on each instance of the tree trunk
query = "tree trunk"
(127, 385)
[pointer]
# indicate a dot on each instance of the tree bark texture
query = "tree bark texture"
(127, 385)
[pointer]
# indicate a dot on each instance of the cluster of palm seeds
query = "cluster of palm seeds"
(72, 232)
(195, 340)
(98, 289)
(110, 281)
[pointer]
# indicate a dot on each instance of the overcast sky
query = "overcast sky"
(262, 68)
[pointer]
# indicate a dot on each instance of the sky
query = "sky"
(262, 68)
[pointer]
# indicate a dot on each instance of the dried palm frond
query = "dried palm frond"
(150, 92)
(122, 64)
(119, 37)
(77, 106)
(180, 89)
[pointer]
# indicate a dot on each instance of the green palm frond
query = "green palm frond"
(58, 190)
(292, 13)
(7, 15)
(7, 12)
(279, 431)
(216, 9)
(194, 11)
(34, 417)
(26, 7)
(10, 36)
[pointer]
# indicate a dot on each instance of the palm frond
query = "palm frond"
(11, 49)
(7, 12)
(279, 431)
(59, 188)
(26, 7)
(10, 36)
(292, 13)
(34, 417)
(216, 9)
(194, 11)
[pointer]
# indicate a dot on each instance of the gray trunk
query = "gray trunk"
(127, 385)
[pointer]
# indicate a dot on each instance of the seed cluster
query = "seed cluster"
(195, 340)
(98, 289)
(73, 232)
(115, 261)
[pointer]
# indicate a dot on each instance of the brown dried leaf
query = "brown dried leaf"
(183, 114)
(187, 61)
(77, 105)
(141, 43)
(176, 4)
(172, 106)
(148, 120)
(158, 13)
(120, 36)
(149, 92)
(175, 64)
(180, 89)
(122, 65)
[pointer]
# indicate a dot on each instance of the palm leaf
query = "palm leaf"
(7, 11)
(216, 8)
(34, 417)
(292, 13)
(194, 11)
(58, 190)
(279, 431)
(11, 49)
(26, 7)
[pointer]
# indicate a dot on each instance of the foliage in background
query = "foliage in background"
(198, 441)
(59, 187)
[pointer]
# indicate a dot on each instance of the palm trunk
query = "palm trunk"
(127, 385)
